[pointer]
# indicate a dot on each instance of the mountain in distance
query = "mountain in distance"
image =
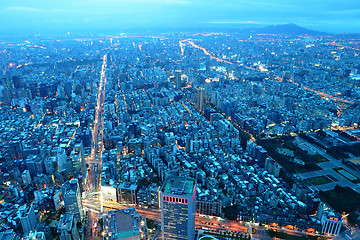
(290, 28)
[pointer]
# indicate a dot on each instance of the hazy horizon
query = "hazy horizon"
(103, 16)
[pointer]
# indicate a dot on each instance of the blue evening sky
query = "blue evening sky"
(32, 16)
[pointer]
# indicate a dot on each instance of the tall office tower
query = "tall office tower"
(199, 98)
(67, 227)
(8, 234)
(7, 92)
(177, 79)
(27, 217)
(16, 149)
(61, 158)
(78, 160)
(7, 81)
(72, 199)
(286, 75)
(178, 207)
(26, 177)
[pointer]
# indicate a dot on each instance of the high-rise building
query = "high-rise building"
(7, 91)
(67, 227)
(72, 199)
(78, 160)
(177, 79)
(178, 207)
(61, 158)
(8, 235)
(208, 205)
(50, 164)
(199, 98)
(16, 150)
(6, 81)
(27, 217)
(127, 192)
(26, 178)
(330, 222)
(42, 227)
(286, 75)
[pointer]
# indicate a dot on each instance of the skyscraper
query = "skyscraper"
(27, 217)
(72, 199)
(177, 79)
(178, 207)
(67, 227)
(6, 81)
(199, 98)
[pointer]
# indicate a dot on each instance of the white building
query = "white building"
(109, 193)
(331, 224)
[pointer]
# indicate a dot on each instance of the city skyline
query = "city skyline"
(253, 134)
(95, 16)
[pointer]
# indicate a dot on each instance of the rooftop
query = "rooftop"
(122, 224)
(7, 235)
(35, 235)
(179, 186)
(66, 222)
(126, 234)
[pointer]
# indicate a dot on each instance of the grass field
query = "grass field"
(342, 199)
(332, 178)
(295, 160)
(319, 180)
(347, 175)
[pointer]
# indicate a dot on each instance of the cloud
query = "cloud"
(122, 2)
(345, 12)
(182, 2)
(23, 9)
(234, 22)
(39, 10)
(38, 14)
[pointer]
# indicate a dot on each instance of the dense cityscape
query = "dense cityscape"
(247, 134)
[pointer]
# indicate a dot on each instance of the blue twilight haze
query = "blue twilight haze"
(24, 16)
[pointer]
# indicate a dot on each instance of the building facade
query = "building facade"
(331, 223)
(177, 79)
(72, 199)
(27, 218)
(67, 229)
(178, 207)
(212, 208)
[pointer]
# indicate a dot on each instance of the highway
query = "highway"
(206, 52)
(211, 223)
(328, 96)
(92, 200)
